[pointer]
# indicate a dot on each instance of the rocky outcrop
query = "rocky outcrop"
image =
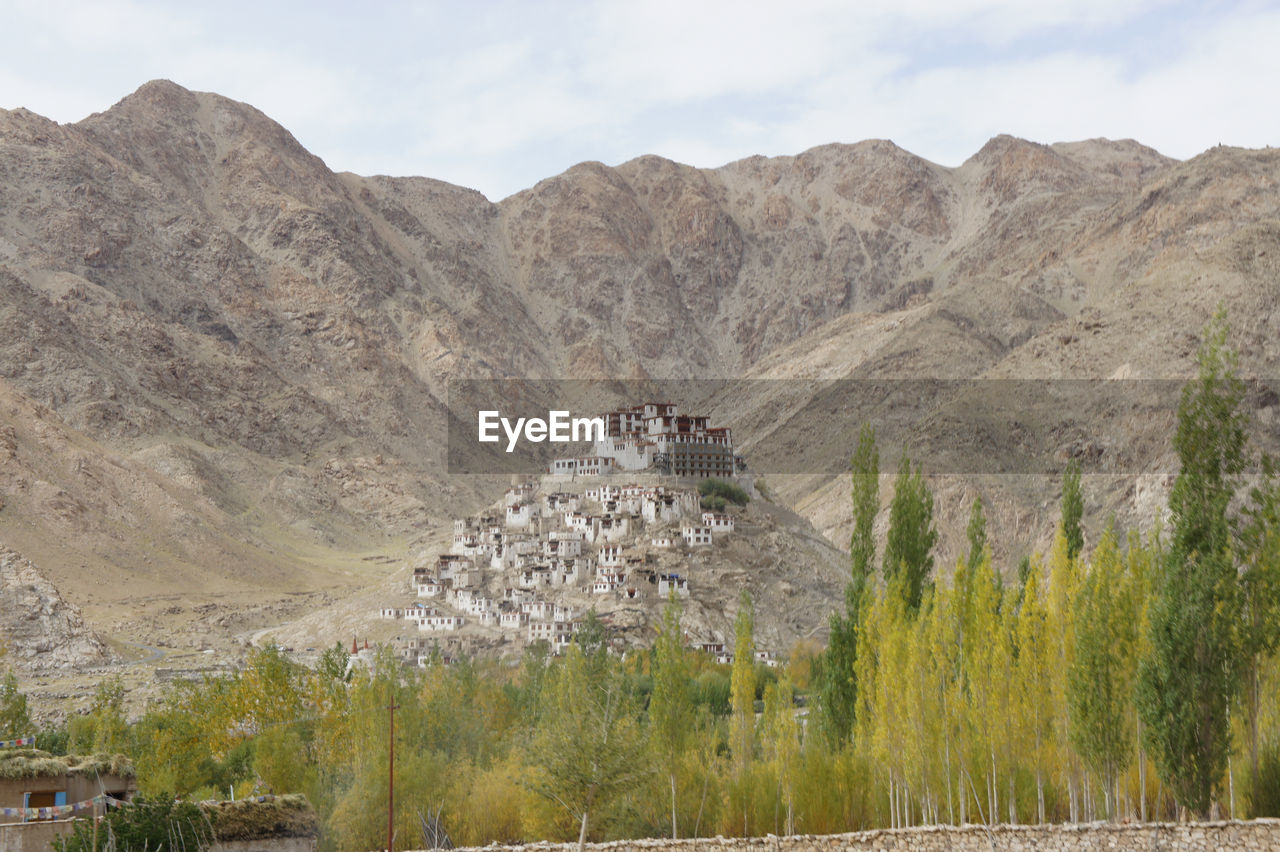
(40, 629)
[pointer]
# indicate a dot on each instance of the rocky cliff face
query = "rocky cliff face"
(41, 630)
(223, 366)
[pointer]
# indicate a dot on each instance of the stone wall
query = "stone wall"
(268, 844)
(32, 836)
(1261, 835)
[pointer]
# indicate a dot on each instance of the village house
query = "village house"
(464, 577)
(520, 493)
(583, 466)
(717, 522)
(664, 542)
(561, 502)
(601, 494)
(608, 581)
(432, 588)
(541, 631)
(562, 544)
(411, 648)
(465, 542)
(610, 556)
(439, 621)
(479, 605)
(513, 619)
(517, 595)
(696, 536)
(519, 515)
(672, 582)
(40, 793)
(390, 612)
(448, 564)
(537, 577)
(570, 572)
(608, 528)
(538, 610)
(563, 638)
(661, 508)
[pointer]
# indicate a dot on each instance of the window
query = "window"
(45, 799)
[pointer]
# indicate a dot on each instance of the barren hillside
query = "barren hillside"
(223, 366)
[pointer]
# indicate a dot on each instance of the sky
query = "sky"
(498, 95)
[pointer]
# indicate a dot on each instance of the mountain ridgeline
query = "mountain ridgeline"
(224, 367)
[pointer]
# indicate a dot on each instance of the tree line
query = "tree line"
(1136, 679)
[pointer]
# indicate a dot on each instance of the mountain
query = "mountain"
(224, 368)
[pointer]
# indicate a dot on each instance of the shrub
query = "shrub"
(1264, 798)
(158, 824)
(727, 491)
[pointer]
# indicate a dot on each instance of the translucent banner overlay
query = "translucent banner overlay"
(973, 426)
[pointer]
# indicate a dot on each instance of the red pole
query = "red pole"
(391, 774)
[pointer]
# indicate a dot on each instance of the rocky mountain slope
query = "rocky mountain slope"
(41, 631)
(223, 367)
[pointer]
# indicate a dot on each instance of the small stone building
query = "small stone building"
(41, 792)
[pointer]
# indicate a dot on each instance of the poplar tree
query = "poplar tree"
(908, 548)
(866, 503)
(742, 698)
(1191, 674)
(1036, 671)
(977, 533)
(782, 742)
(1260, 545)
(1072, 510)
(671, 706)
(1099, 692)
(837, 691)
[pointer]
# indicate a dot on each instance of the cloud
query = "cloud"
(501, 94)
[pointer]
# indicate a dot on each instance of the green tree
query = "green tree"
(866, 503)
(908, 548)
(588, 744)
(742, 699)
(15, 719)
(103, 728)
(782, 743)
(837, 687)
(977, 534)
(1099, 692)
(671, 712)
(1188, 679)
(1072, 510)
(1033, 682)
(1260, 584)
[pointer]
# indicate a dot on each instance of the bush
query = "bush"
(1264, 799)
(711, 689)
(56, 741)
(158, 824)
(727, 491)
